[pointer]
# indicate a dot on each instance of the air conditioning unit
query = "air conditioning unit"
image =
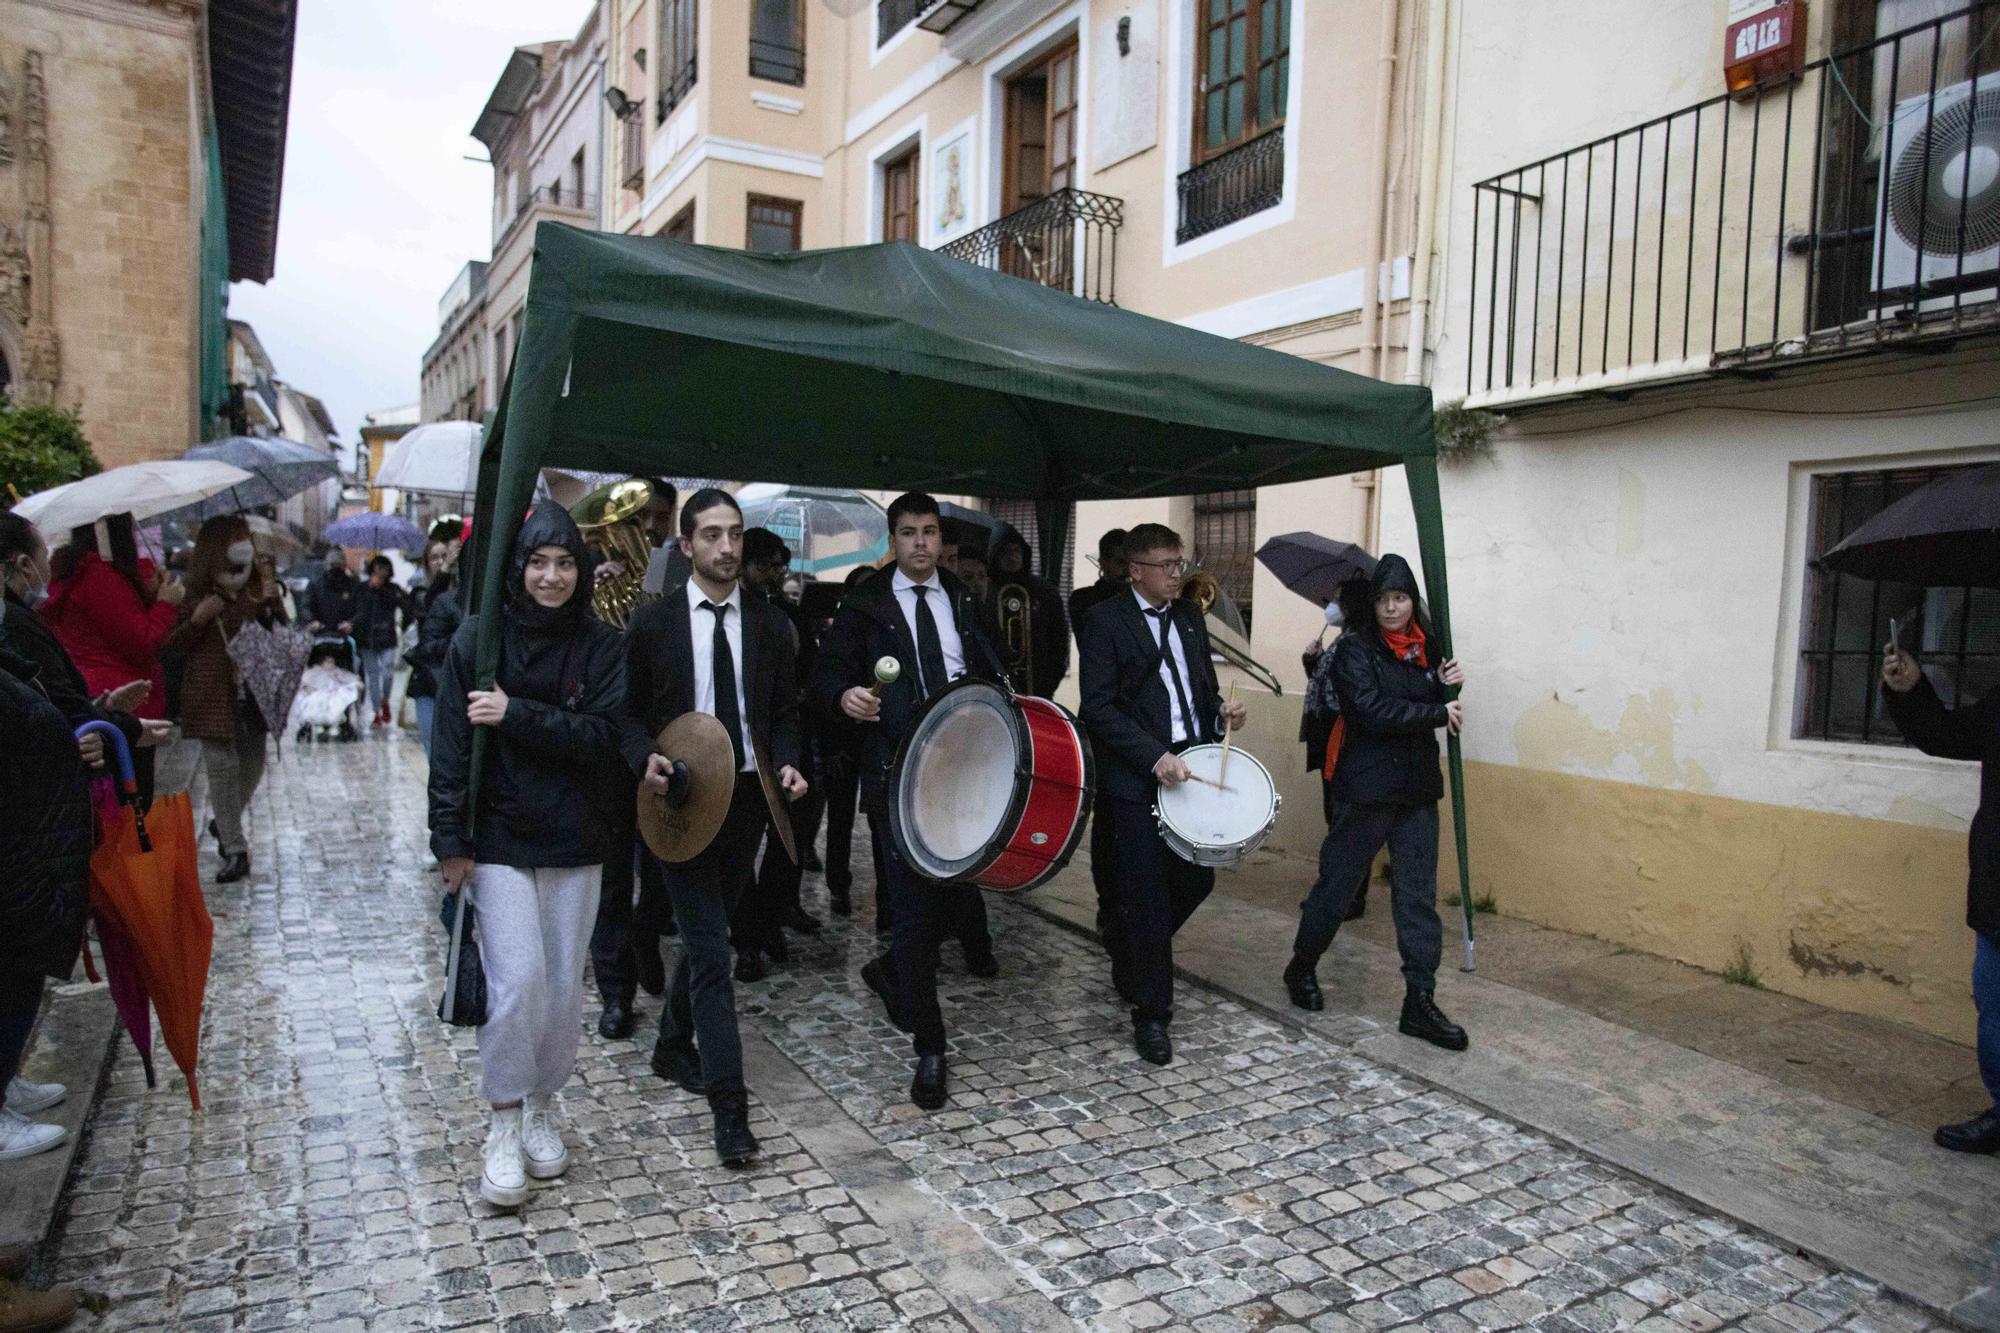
(1941, 180)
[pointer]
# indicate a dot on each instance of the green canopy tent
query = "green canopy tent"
(894, 367)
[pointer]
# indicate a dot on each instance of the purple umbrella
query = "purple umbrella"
(377, 532)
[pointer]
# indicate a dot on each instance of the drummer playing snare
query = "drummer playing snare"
(1149, 692)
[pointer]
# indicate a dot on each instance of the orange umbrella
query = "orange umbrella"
(145, 886)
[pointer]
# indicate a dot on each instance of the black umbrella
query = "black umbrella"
(1943, 535)
(1313, 566)
(279, 469)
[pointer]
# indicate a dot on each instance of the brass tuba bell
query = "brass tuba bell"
(609, 518)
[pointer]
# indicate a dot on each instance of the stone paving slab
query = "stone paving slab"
(77, 1026)
(1272, 1178)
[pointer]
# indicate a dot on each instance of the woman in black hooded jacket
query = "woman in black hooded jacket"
(534, 854)
(1386, 788)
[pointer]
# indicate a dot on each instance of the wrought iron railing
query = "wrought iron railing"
(1067, 240)
(674, 90)
(1232, 186)
(632, 147)
(777, 61)
(1852, 205)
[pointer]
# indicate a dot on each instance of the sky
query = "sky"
(380, 208)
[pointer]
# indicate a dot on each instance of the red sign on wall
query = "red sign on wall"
(1765, 45)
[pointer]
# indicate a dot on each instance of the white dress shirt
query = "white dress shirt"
(1175, 646)
(947, 625)
(701, 633)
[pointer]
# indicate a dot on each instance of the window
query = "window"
(1242, 65)
(1954, 632)
(680, 227)
(1041, 130)
(576, 191)
(892, 16)
(778, 41)
(1225, 534)
(773, 225)
(679, 27)
(899, 197)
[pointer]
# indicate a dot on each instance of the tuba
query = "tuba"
(1205, 591)
(1015, 611)
(609, 518)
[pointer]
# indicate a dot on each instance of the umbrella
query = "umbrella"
(377, 532)
(279, 469)
(1313, 566)
(826, 529)
(1942, 535)
(142, 490)
(271, 661)
(152, 924)
(439, 456)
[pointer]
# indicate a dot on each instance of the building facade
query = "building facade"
(141, 152)
(459, 375)
(260, 404)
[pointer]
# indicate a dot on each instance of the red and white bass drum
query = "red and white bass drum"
(990, 788)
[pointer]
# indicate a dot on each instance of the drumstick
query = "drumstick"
(1228, 735)
(1210, 782)
(887, 670)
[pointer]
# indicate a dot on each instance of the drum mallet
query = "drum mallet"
(887, 671)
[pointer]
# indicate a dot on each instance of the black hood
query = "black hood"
(548, 524)
(1393, 574)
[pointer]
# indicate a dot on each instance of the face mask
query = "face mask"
(31, 592)
(1333, 616)
(237, 572)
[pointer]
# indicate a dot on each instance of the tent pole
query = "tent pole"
(1425, 499)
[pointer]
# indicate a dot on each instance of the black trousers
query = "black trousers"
(1358, 832)
(20, 1001)
(971, 929)
(926, 914)
(624, 928)
(1104, 875)
(1157, 893)
(842, 790)
(700, 1007)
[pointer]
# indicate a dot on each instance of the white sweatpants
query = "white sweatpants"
(534, 936)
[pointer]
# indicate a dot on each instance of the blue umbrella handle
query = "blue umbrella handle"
(128, 778)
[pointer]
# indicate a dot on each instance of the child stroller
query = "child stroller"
(330, 692)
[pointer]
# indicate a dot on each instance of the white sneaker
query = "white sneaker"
(542, 1141)
(28, 1098)
(22, 1137)
(430, 859)
(504, 1183)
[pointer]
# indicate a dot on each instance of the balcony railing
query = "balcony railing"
(1851, 206)
(1231, 187)
(1067, 240)
(674, 89)
(632, 148)
(777, 61)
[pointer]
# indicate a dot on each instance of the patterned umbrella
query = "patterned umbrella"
(271, 661)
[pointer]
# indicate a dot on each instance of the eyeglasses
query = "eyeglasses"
(1174, 568)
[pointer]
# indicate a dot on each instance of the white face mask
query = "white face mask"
(22, 579)
(1333, 616)
(237, 572)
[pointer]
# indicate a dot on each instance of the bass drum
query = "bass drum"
(990, 788)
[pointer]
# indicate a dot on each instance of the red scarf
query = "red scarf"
(1409, 645)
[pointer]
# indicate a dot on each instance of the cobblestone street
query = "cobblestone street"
(1268, 1179)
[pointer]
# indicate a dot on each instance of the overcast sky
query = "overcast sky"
(380, 208)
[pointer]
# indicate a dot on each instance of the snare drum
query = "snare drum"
(1215, 827)
(990, 788)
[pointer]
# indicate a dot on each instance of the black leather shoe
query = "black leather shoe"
(750, 966)
(1979, 1134)
(734, 1143)
(775, 949)
(876, 973)
(796, 919)
(617, 1021)
(679, 1063)
(1303, 986)
(1424, 1020)
(839, 901)
(233, 868)
(982, 963)
(927, 1088)
(1152, 1041)
(652, 969)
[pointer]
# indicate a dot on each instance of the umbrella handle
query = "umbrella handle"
(128, 781)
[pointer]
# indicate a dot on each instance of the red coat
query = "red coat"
(112, 632)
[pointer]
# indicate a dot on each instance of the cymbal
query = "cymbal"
(678, 833)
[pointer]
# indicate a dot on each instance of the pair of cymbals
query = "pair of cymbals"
(681, 832)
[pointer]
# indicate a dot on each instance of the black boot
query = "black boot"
(233, 868)
(1423, 1019)
(980, 962)
(927, 1089)
(734, 1143)
(750, 966)
(795, 918)
(679, 1063)
(775, 948)
(1152, 1040)
(1302, 985)
(1979, 1134)
(617, 1021)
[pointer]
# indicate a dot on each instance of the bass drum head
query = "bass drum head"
(955, 788)
(1208, 818)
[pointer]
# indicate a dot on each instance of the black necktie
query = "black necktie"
(727, 711)
(930, 649)
(1174, 674)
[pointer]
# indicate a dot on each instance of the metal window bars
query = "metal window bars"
(780, 62)
(1067, 240)
(1232, 186)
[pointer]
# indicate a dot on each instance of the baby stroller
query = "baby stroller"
(330, 692)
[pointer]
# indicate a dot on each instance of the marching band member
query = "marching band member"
(925, 619)
(705, 646)
(1149, 692)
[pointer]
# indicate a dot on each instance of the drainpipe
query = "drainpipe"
(1427, 199)
(1378, 177)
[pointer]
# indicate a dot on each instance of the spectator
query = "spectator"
(428, 655)
(332, 601)
(378, 620)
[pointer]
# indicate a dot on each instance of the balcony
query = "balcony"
(1233, 186)
(1853, 206)
(555, 202)
(674, 90)
(780, 62)
(1067, 240)
(632, 148)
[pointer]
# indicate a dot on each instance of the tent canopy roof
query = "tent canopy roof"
(896, 367)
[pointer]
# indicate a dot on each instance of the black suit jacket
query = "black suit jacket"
(659, 675)
(870, 625)
(1127, 706)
